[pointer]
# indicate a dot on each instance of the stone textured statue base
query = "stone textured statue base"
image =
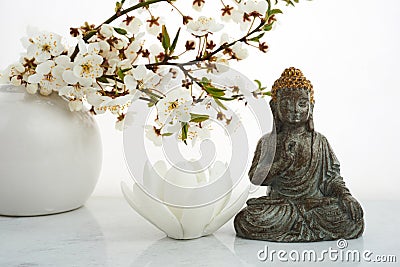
(305, 220)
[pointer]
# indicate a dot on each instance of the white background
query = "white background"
(348, 49)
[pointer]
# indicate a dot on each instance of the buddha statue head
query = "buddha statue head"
(292, 100)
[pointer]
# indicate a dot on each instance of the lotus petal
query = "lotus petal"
(155, 212)
(194, 220)
(227, 213)
(216, 172)
(153, 181)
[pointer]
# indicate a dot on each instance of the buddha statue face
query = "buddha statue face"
(293, 105)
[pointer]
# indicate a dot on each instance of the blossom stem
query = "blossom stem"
(145, 99)
(155, 90)
(125, 11)
(208, 56)
(222, 1)
(222, 47)
(251, 26)
(199, 52)
(177, 9)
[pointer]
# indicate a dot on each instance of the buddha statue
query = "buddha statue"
(307, 199)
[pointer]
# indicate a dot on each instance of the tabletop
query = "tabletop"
(107, 232)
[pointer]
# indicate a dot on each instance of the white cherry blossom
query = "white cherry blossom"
(16, 81)
(155, 50)
(196, 133)
(107, 30)
(254, 7)
(111, 54)
(153, 135)
(76, 89)
(104, 46)
(121, 43)
(234, 14)
(130, 82)
(175, 107)
(45, 45)
(198, 5)
(89, 49)
(75, 105)
(42, 70)
(32, 88)
(132, 50)
(89, 67)
(63, 63)
(240, 52)
(203, 25)
(116, 105)
(132, 26)
(11, 72)
(143, 77)
(153, 25)
(47, 77)
(95, 99)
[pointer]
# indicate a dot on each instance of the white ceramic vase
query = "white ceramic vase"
(50, 158)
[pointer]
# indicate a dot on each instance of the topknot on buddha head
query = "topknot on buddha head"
(292, 79)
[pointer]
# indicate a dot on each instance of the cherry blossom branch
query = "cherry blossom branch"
(118, 14)
(243, 39)
(208, 56)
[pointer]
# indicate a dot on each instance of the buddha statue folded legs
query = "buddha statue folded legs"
(308, 200)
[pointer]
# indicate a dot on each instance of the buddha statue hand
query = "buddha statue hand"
(291, 147)
(351, 206)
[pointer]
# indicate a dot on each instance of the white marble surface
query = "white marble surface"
(107, 232)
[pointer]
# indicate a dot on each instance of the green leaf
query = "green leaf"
(167, 134)
(257, 38)
(268, 27)
(258, 83)
(185, 129)
(102, 80)
(118, 7)
(198, 117)
(289, 2)
(219, 103)
(165, 39)
(120, 74)
(205, 81)
(125, 70)
(120, 31)
(89, 34)
(211, 90)
(175, 41)
(274, 11)
(225, 98)
(214, 91)
(267, 93)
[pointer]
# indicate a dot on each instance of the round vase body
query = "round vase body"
(50, 158)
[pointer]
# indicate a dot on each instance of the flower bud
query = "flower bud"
(32, 88)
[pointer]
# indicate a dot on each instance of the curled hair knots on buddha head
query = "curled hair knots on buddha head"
(291, 79)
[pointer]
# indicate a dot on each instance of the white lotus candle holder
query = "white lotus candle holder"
(182, 222)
